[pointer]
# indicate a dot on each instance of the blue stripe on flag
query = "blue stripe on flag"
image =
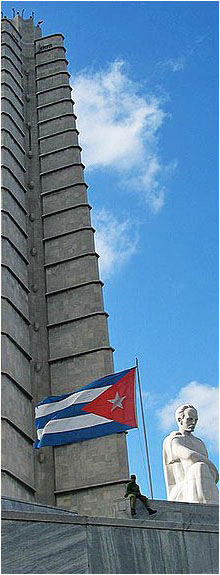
(81, 434)
(114, 377)
(70, 411)
(107, 380)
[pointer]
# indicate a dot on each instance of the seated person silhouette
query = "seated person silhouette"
(133, 492)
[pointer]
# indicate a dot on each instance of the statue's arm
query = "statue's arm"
(211, 464)
(182, 452)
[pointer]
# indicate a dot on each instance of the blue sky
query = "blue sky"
(145, 83)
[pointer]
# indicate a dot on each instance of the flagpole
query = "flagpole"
(145, 434)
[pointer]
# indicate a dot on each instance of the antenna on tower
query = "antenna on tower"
(1, 14)
(32, 15)
(22, 14)
(13, 12)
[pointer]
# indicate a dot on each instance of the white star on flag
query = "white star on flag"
(117, 401)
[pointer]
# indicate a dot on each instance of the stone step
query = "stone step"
(11, 504)
(170, 511)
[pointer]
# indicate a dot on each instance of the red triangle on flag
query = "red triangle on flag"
(118, 402)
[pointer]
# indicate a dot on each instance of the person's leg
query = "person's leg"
(132, 498)
(144, 499)
(146, 503)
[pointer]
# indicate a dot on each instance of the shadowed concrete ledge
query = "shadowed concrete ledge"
(170, 511)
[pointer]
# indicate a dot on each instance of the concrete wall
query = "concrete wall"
(54, 324)
(17, 425)
(42, 541)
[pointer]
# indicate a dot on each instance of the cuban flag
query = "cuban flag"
(102, 407)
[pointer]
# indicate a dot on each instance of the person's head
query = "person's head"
(133, 477)
(186, 417)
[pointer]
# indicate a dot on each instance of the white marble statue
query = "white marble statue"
(189, 473)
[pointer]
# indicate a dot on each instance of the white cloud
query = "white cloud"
(116, 241)
(180, 62)
(205, 399)
(176, 64)
(119, 130)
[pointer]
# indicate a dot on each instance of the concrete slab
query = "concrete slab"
(50, 540)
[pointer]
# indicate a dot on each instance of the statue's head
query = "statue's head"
(186, 417)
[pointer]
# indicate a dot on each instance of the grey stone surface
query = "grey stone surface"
(72, 272)
(85, 367)
(139, 551)
(10, 484)
(11, 504)
(8, 108)
(14, 291)
(7, 51)
(42, 174)
(94, 463)
(12, 144)
(11, 126)
(56, 124)
(65, 197)
(46, 56)
(58, 93)
(15, 325)
(15, 363)
(11, 205)
(17, 453)
(186, 513)
(64, 176)
(54, 39)
(78, 336)
(50, 549)
(9, 27)
(43, 542)
(11, 68)
(58, 108)
(55, 81)
(16, 406)
(58, 158)
(9, 160)
(13, 184)
(67, 246)
(89, 296)
(68, 137)
(74, 218)
(50, 68)
(13, 260)
(7, 92)
(14, 233)
(96, 500)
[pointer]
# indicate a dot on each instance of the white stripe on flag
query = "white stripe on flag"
(72, 423)
(80, 397)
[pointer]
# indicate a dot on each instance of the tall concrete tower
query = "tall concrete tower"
(55, 335)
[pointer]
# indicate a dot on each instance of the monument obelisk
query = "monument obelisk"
(55, 333)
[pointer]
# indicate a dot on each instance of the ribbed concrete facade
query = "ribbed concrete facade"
(55, 333)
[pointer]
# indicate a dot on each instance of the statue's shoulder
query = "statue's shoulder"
(198, 440)
(167, 447)
(170, 437)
